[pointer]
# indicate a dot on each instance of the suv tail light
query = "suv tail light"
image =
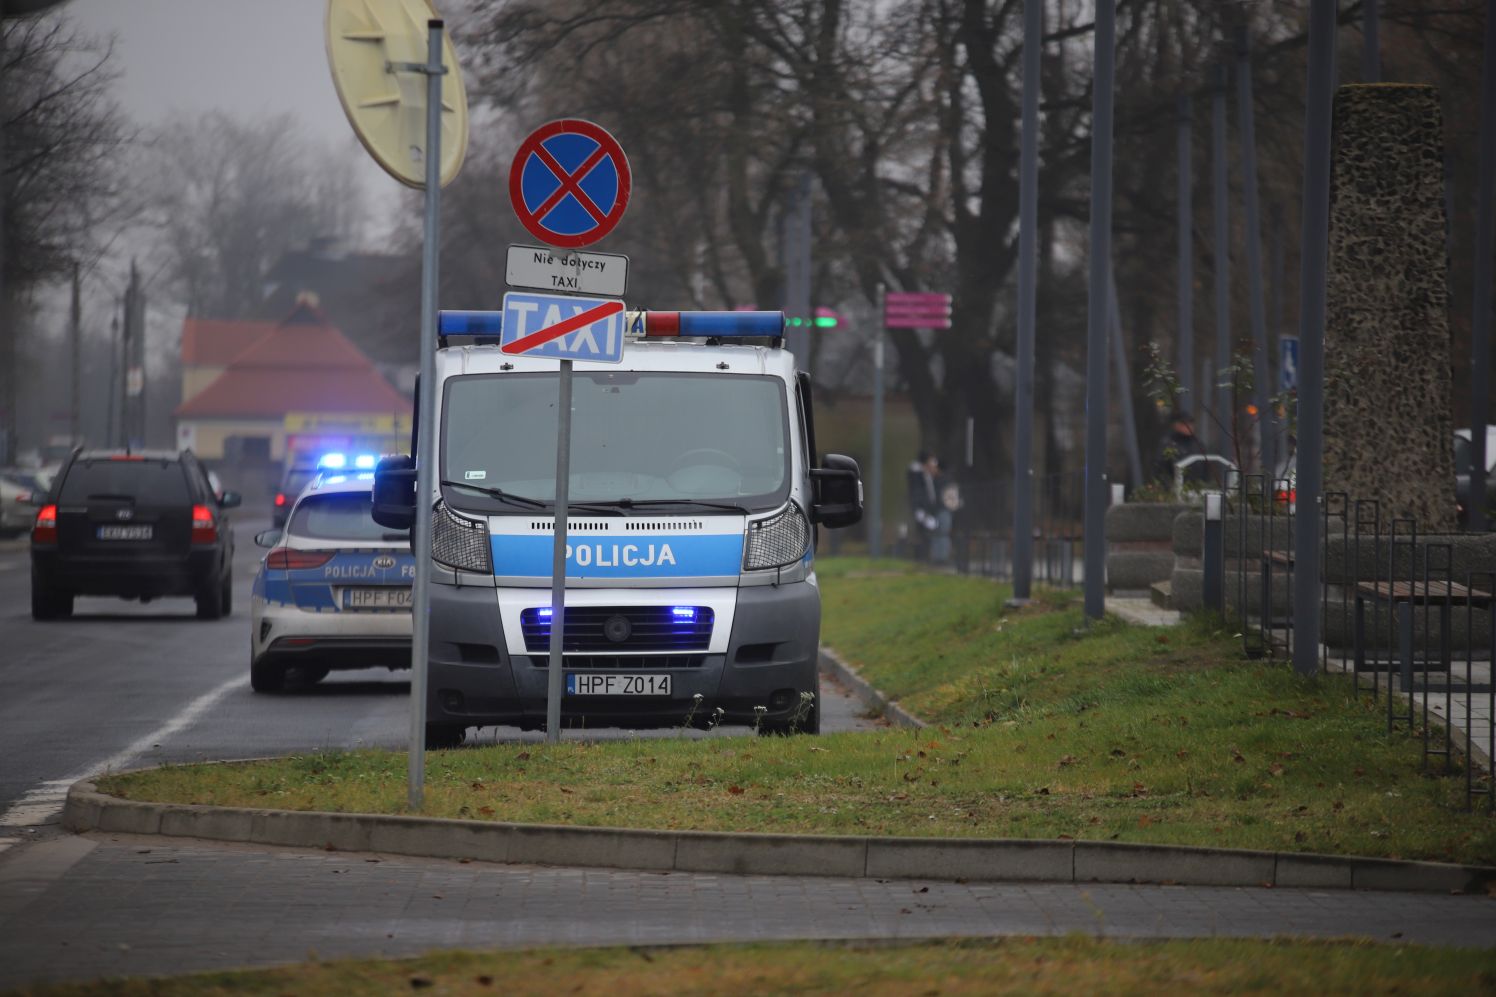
(286, 559)
(280, 499)
(45, 529)
(204, 526)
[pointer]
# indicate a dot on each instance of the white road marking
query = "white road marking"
(41, 804)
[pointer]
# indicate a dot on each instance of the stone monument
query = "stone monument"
(1388, 433)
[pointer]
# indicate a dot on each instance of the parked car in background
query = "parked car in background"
(335, 589)
(302, 467)
(138, 525)
(16, 510)
(1463, 451)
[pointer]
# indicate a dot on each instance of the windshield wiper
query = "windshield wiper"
(499, 494)
(628, 503)
(599, 508)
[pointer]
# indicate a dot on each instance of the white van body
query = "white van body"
(691, 545)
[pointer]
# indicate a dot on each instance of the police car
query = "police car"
(335, 589)
(695, 496)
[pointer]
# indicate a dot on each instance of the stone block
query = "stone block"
(1325, 872)
(1424, 877)
(1119, 862)
(954, 858)
(554, 845)
(770, 854)
(1135, 521)
(1137, 569)
(215, 823)
(129, 817)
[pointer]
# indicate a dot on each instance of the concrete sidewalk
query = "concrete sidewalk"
(76, 908)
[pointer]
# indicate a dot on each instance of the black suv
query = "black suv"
(133, 524)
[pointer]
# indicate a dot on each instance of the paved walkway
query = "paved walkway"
(74, 907)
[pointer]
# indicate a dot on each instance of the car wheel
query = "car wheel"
(226, 595)
(209, 602)
(310, 674)
(48, 603)
(439, 736)
(266, 676)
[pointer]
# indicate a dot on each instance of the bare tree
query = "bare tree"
(61, 135)
(226, 198)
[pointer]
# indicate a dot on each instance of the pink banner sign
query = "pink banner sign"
(916, 310)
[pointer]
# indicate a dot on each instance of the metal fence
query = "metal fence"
(1408, 615)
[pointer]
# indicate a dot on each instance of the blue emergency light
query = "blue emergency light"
(364, 462)
(652, 325)
(333, 461)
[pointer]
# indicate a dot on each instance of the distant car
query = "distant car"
(139, 525)
(301, 468)
(334, 592)
(16, 511)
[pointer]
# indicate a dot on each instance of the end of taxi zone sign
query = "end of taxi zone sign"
(567, 271)
(562, 327)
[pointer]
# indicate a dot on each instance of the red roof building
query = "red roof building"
(241, 380)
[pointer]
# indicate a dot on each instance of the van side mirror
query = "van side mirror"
(395, 492)
(838, 492)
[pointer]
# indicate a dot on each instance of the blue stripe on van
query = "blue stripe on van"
(657, 556)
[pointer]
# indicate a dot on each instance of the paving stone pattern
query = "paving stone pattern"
(131, 906)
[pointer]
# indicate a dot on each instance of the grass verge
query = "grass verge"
(1064, 965)
(1042, 728)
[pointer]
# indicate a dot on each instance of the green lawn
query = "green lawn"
(1043, 728)
(1043, 966)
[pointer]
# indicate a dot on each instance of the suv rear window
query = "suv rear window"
(151, 482)
(339, 517)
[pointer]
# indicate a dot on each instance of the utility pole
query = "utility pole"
(797, 262)
(1028, 263)
(1485, 261)
(1371, 48)
(1185, 281)
(1100, 251)
(1220, 199)
(1314, 264)
(1261, 368)
(875, 494)
(75, 343)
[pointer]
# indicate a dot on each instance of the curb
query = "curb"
(870, 697)
(735, 853)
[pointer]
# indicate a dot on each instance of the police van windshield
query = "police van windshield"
(638, 436)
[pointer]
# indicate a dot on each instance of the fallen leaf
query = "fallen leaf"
(1275, 770)
(419, 982)
(1118, 753)
(1181, 753)
(479, 785)
(486, 811)
(735, 790)
(523, 756)
(1043, 791)
(1145, 821)
(1066, 760)
(483, 981)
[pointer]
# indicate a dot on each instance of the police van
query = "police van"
(695, 502)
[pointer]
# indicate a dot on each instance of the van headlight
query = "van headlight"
(459, 542)
(777, 540)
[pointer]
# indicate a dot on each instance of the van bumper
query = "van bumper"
(771, 659)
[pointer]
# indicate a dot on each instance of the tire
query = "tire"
(442, 736)
(209, 602)
(310, 674)
(227, 595)
(267, 676)
(48, 603)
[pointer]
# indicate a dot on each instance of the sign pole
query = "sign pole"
(426, 460)
(554, 677)
(1028, 263)
(875, 500)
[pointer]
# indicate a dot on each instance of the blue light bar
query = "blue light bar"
(544, 612)
(710, 324)
(335, 461)
(683, 612)
(469, 323)
(364, 462)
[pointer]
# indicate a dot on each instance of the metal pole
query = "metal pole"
(75, 337)
(1028, 265)
(1485, 261)
(426, 458)
(1261, 368)
(1185, 287)
(797, 236)
(1371, 49)
(1220, 194)
(112, 416)
(1124, 382)
(1313, 265)
(1096, 319)
(554, 678)
(875, 498)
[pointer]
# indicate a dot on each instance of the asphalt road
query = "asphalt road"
(123, 684)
